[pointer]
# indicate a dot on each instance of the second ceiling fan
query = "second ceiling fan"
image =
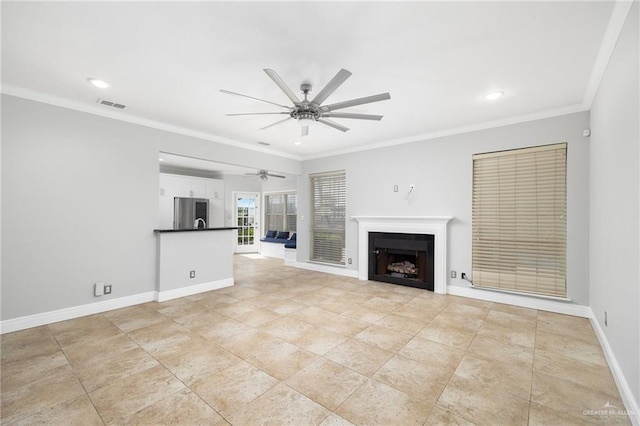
(307, 112)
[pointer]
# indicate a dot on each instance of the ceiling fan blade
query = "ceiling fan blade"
(331, 86)
(333, 124)
(305, 131)
(354, 102)
(258, 113)
(351, 115)
(283, 86)
(228, 92)
(272, 175)
(277, 122)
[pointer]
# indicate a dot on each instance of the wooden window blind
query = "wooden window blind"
(328, 217)
(519, 220)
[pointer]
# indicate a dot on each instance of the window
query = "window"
(281, 210)
(328, 217)
(519, 220)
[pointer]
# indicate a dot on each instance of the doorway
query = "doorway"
(246, 210)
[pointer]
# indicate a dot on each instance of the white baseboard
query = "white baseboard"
(29, 321)
(631, 404)
(163, 296)
(560, 307)
(318, 267)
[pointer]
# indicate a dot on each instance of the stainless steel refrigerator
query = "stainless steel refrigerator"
(190, 213)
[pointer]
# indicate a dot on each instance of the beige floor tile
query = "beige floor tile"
(366, 314)
(281, 359)
(544, 416)
(181, 408)
(58, 387)
(359, 356)
(573, 348)
(124, 397)
(258, 317)
(21, 372)
(457, 320)
(496, 374)
(138, 320)
(313, 315)
(91, 350)
(471, 400)
(166, 339)
(344, 325)
(285, 306)
(454, 337)
(109, 367)
(514, 333)
(220, 328)
(568, 368)
(77, 332)
(319, 340)
(336, 420)
(516, 310)
(199, 362)
(440, 416)
(421, 381)
(384, 338)
(574, 399)
(279, 406)
(326, 382)
(488, 347)
(78, 412)
(247, 343)
(428, 352)
(232, 388)
(286, 328)
(401, 323)
(199, 318)
(377, 403)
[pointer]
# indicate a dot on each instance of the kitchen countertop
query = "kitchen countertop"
(161, 231)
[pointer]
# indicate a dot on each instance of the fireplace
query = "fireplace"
(399, 258)
(430, 225)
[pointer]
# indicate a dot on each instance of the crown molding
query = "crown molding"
(33, 95)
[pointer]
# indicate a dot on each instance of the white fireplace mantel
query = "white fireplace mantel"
(432, 225)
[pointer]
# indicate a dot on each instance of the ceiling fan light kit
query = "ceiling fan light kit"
(264, 175)
(307, 112)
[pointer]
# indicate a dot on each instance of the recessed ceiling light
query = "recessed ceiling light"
(100, 84)
(297, 143)
(493, 96)
(161, 159)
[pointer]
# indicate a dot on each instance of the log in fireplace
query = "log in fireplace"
(405, 259)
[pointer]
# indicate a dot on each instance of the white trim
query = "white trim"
(36, 320)
(433, 225)
(618, 17)
(517, 119)
(98, 110)
(290, 256)
(319, 267)
(542, 304)
(632, 406)
(163, 296)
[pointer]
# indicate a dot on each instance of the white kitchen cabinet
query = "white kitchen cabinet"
(190, 186)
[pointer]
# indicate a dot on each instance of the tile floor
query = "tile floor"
(288, 346)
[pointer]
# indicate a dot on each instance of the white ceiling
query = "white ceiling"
(167, 62)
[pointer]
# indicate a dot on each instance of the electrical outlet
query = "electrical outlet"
(453, 274)
(395, 188)
(605, 319)
(107, 289)
(349, 261)
(192, 274)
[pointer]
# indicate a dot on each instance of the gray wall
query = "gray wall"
(441, 170)
(79, 203)
(615, 203)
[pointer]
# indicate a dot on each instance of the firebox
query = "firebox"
(405, 259)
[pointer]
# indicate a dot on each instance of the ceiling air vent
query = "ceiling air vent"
(264, 143)
(110, 104)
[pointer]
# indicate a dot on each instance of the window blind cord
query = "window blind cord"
(466, 278)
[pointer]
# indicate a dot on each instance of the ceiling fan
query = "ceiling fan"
(309, 111)
(264, 174)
